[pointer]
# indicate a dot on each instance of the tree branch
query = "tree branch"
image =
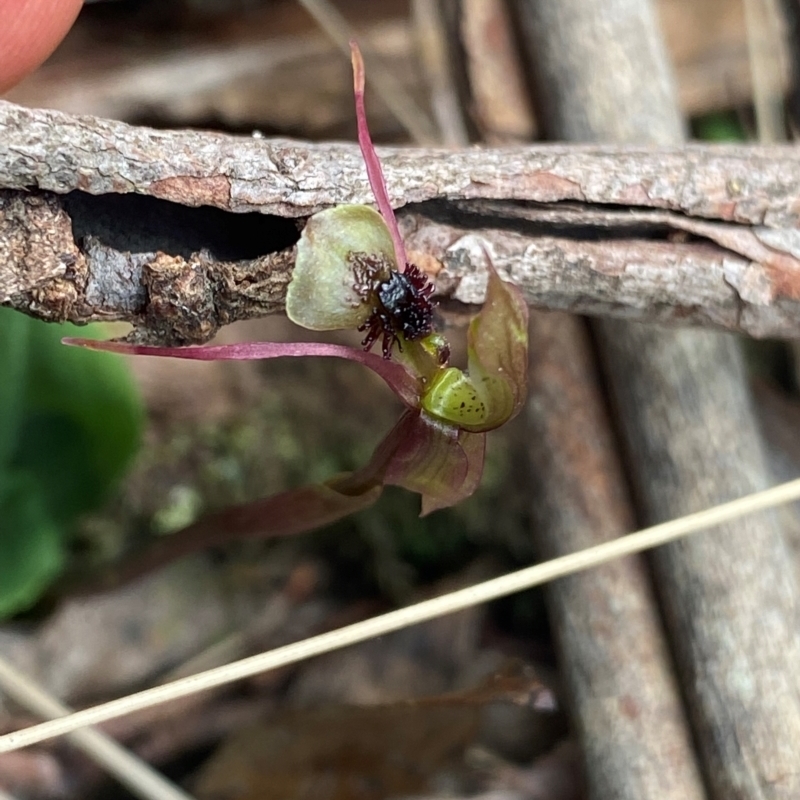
(729, 597)
(605, 622)
(102, 220)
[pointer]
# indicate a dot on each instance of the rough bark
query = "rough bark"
(729, 596)
(616, 666)
(101, 220)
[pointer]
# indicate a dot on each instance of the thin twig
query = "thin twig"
(391, 91)
(766, 53)
(140, 778)
(405, 617)
(437, 61)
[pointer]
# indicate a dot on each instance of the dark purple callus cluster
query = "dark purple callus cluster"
(402, 305)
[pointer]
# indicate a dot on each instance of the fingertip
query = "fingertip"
(30, 30)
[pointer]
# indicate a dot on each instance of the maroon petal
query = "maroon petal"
(399, 379)
(440, 462)
(284, 514)
(373, 165)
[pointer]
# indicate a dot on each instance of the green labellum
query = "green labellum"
(477, 403)
(453, 397)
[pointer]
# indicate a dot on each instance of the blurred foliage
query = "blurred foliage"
(771, 360)
(766, 359)
(70, 421)
(719, 126)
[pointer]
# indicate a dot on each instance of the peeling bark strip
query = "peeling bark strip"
(700, 235)
(59, 152)
(653, 279)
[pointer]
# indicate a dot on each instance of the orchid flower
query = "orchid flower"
(351, 272)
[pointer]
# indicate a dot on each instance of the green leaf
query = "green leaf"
(30, 543)
(494, 387)
(720, 126)
(70, 422)
(96, 393)
(59, 453)
(13, 368)
(321, 295)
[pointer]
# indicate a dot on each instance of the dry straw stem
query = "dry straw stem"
(392, 91)
(766, 46)
(436, 58)
(141, 779)
(405, 617)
